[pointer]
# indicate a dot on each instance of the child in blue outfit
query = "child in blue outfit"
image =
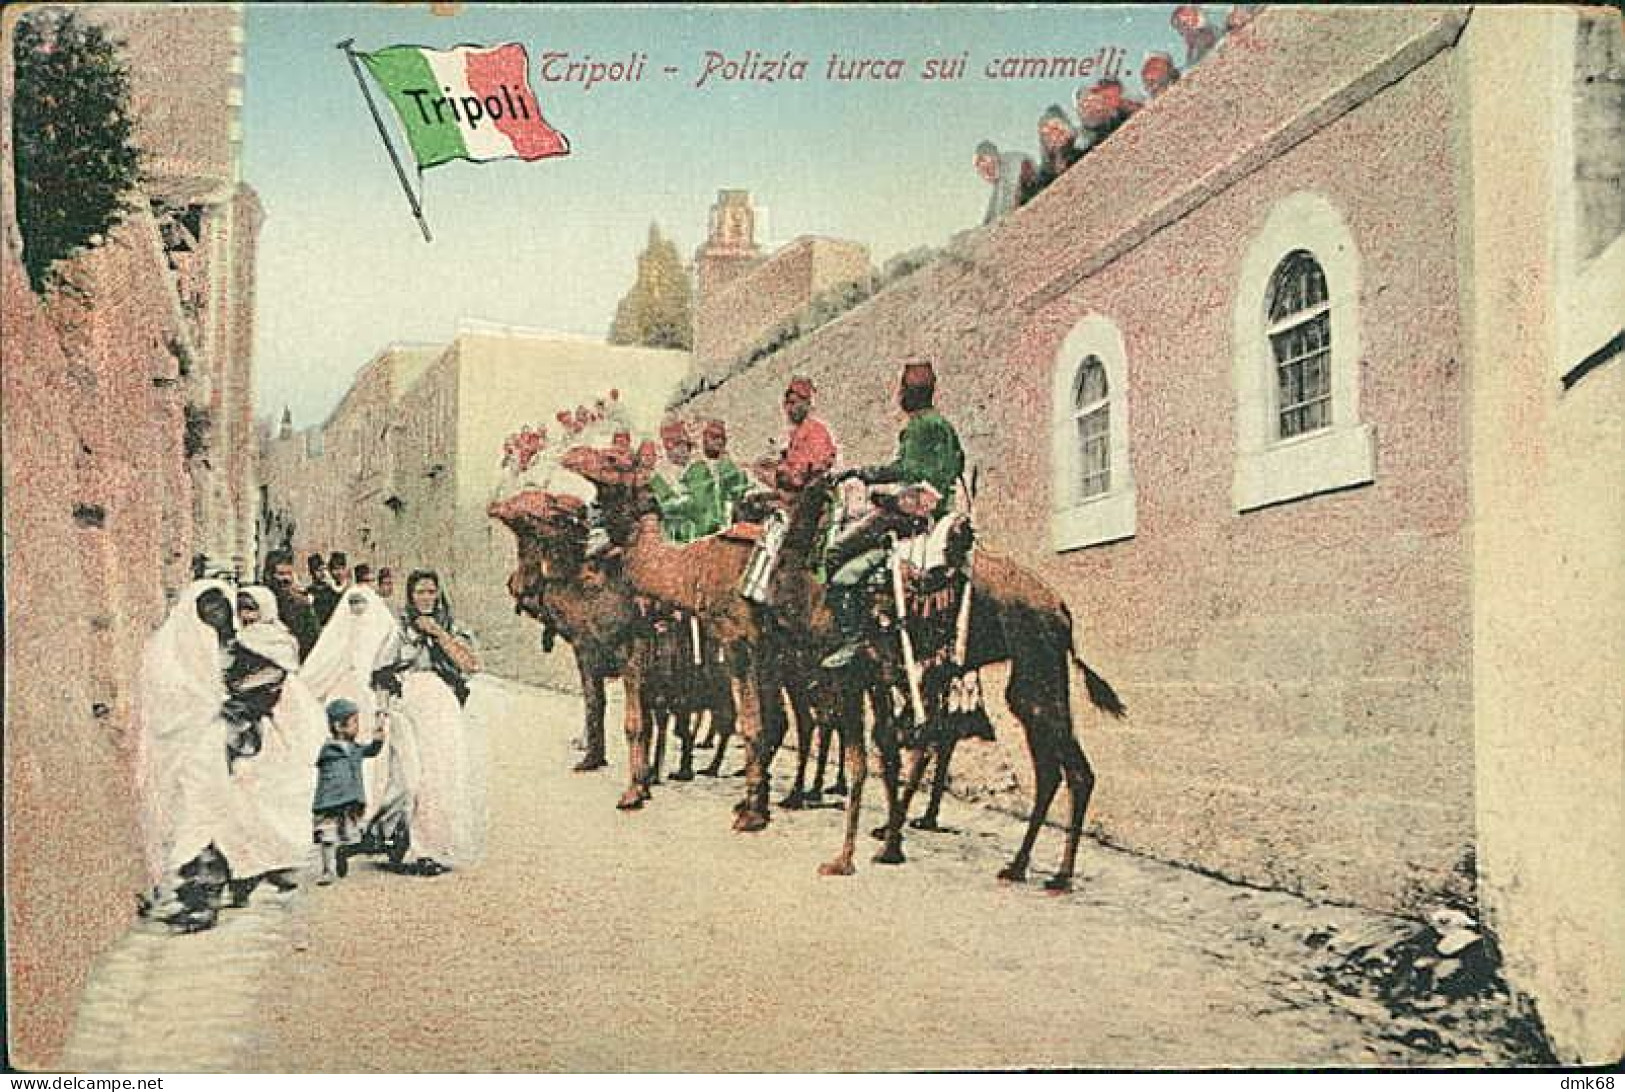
(340, 797)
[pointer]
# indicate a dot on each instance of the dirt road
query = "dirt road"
(590, 939)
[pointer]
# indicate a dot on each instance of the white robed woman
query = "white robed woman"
(422, 677)
(278, 730)
(340, 666)
(181, 771)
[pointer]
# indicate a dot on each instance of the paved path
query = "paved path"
(594, 940)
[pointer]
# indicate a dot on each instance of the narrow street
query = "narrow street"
(594, 940)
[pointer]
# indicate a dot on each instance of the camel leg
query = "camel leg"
(722, 718)
(1039, 723)
(1080, 784)
(753, 713)
(849, 718)
(917, 759)
(636, 725)
(891, 761)
(592, 700)
(939, 784)
(687, 729)
(797, 796)
(826, 732)
(663, 719)
(1046, 780)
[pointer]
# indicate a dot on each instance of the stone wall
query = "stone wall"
(101, 500)
(98, 535)
(733, 318)
(1297, 677)
(186, 88)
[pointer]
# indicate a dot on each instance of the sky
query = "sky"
(553, 244)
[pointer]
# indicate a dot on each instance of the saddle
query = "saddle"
(945, 546)
(936, 579)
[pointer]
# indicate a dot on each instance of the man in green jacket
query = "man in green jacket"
(678, 513)
(714, 483)
(928, 451)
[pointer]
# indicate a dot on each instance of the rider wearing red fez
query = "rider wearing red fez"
(809, 449)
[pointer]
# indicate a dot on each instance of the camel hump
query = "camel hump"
(1013, 584)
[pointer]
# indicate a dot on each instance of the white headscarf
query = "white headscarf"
(180, 760)
(272, 791)
(268, 637)
(344, 654)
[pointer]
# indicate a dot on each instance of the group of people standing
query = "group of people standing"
(275, 718)
(1102, 109)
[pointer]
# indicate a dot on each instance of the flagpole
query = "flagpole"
(400, 172)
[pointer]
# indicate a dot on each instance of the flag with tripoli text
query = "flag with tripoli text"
(468, 102)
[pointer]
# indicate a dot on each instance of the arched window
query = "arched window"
(1296, 342)
(1091, 482)
(1092, 413)
(1301, 342)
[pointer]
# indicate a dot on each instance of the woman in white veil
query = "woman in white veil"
(181, 774)
(272, 788)
(340, 666)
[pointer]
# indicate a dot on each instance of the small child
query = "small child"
(340, 798)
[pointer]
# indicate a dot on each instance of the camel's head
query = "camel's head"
(551, 532)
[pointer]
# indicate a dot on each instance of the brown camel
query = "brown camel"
(1014, 618)
(590, 604)
(702, 578)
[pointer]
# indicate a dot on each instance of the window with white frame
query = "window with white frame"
(1296, 345)
(1091, 482)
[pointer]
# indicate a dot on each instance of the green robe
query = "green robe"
(677, 509)
(928, 450)
(713, 488)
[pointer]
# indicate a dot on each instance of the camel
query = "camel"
(589, 603)
(1014, 618)
(699, 577)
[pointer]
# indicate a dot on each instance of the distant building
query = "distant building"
(741, 296)
(400, 473)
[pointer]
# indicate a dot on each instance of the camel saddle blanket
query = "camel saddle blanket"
(933, 550)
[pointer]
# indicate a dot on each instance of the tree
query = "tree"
(75, 163)
(656, 312)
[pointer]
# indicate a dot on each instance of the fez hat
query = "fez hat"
(340, 710)
(674, 432)
(800, 385)
(715, 428)
(919, 374)
(1193, 9)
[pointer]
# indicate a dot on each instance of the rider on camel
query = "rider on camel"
(714, 482)
(809, 449)
(670, 485)
(928, 451)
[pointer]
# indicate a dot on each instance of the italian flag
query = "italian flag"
(469, 102)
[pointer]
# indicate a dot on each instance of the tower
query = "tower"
(730, 246)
